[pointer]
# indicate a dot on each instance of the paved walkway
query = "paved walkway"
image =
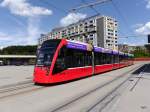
(14, 74)
(47, 99)
(136, 98)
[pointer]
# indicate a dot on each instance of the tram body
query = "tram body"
(61, 60)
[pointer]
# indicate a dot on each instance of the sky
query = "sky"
(22, 21)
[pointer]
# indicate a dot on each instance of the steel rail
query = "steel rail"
(18, 88)
(140, 76)
(78, 97)
(113, 91)
(106, 96)
(15, 84)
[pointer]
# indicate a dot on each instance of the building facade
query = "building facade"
(17, 59)
(98, 30)
(124, 48)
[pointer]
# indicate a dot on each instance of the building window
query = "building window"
(109, 30)
(107, 41)
(86, 27)
(91, 38)
(91, 35)
(91, 21)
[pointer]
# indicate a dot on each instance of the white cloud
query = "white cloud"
(6, 37)
(23, 8)
(29, 36)
(72, 18)
(137, 25)
(144, 29)
(32, 30)
(148, 4)
(20, 38)
(9, 39)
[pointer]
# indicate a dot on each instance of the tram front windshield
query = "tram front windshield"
(46, 53)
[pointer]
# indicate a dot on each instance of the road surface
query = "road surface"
(89, 94)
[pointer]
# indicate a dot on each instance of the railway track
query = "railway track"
(18, 88)
(63, 107)
(15, 84)
(101, 106)
(103, 102)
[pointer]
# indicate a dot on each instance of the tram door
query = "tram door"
(93, 64)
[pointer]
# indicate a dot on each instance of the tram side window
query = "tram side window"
(88, 58)
(69, 58)
(121, 58)
(103, 59)
(98, 58)
(111, 58)
(108, 58)
(116, 59)
(76, 58)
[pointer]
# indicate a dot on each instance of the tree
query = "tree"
(139, 52)
(19, 50)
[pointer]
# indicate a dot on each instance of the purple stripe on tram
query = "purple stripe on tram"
(121, 53)
(76, 46)
(115, 52)
(108, 51)
(102, 50)
(98, 49)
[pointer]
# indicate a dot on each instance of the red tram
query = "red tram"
(61, 60)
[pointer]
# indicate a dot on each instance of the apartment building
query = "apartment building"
(98, 30)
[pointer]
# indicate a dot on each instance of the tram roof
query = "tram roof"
(84, 46)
